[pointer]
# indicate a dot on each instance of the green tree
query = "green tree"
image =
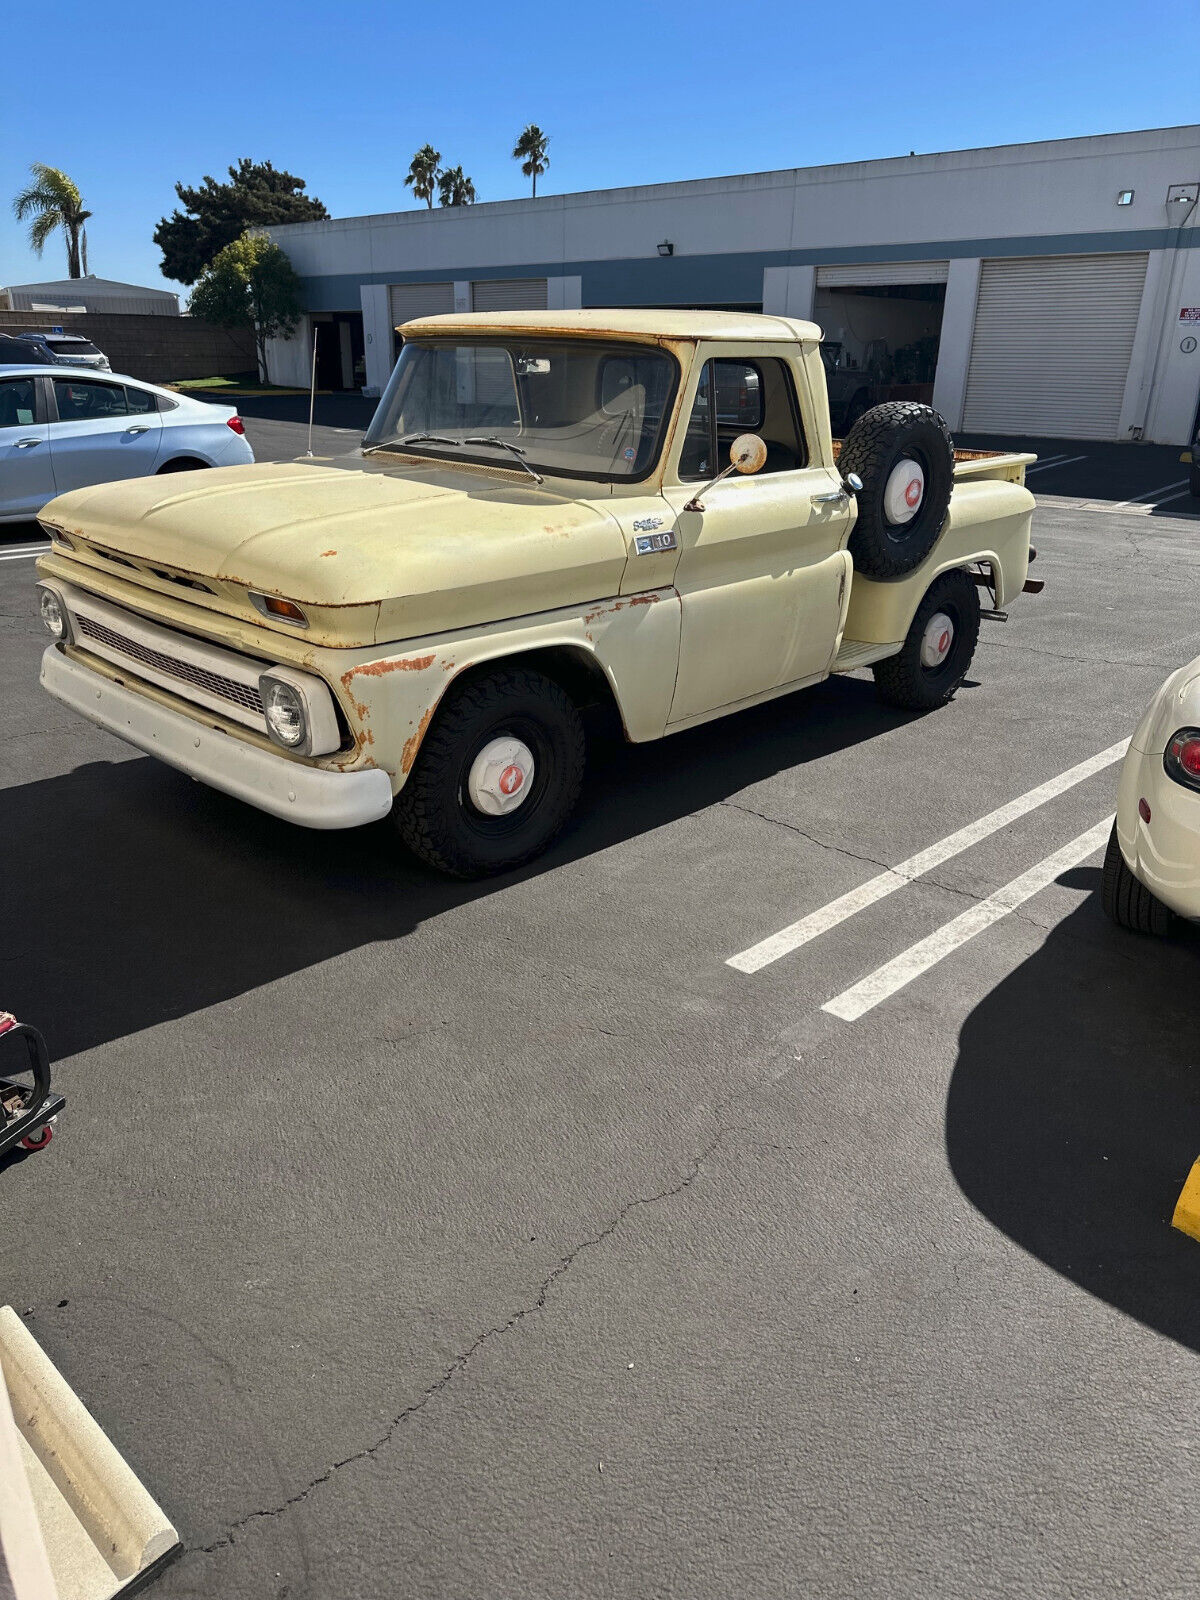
(53, 201)
(455, 188)
(250, 283)
(530, 151)
(423, 173)
(256, 196)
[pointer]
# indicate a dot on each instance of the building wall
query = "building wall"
(153, 348)
(94, 294)
(758, 239)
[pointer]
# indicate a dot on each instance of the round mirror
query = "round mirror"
(748, 453)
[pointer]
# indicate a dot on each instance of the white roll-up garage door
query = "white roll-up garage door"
(1053, 339)
(409, 300)
(509, 294)
(869, 274)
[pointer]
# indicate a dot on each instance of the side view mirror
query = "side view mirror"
(747, 454)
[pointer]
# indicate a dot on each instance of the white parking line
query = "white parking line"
(817, 922)
(863, 996)
(1055, 461)
(24, 552)
(1150, 494)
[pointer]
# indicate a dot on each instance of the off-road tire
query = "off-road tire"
(903, 680)
(434, 813)
(1128, 902)
(874, 446)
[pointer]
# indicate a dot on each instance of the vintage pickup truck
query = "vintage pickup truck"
(538, 521)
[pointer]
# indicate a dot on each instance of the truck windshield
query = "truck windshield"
(576, 409)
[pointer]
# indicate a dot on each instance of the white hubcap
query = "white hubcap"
(903, 492)
(937, 639)
(500, 776)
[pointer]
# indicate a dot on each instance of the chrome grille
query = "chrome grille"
(215, 683)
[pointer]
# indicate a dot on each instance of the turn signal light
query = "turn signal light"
(271, 605)
(1181, 758)
(236, 424)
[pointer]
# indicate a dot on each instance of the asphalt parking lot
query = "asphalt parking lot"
(461, 1241)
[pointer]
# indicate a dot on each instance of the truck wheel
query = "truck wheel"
(1128, 902)
(903, 454)
(938, 649)
(497, 775)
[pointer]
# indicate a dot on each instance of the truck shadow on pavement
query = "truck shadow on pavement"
(1073, 1115)
(134, 896)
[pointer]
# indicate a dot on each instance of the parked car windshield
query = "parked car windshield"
(578, 409)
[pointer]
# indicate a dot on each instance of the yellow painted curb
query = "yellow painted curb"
(1187, 1207)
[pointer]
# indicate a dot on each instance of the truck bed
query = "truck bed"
(1006, 466)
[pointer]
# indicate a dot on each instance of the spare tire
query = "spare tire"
(904, 455)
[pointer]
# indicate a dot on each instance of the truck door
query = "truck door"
(762, 574)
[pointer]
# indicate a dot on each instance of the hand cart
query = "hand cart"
(27, 1114)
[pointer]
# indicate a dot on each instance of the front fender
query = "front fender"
(390, 699)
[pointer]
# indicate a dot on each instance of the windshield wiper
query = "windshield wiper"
(503, 444)
(413, 438)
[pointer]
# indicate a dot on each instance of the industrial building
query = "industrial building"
(90, 294)
(1047, 290)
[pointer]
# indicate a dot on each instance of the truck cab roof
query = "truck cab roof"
(738, 327)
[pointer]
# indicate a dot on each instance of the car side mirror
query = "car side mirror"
(747, 454)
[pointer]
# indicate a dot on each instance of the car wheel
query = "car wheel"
(183, 464)
(497, 776)
(938, 649)
(1127, 901)
(903, 454)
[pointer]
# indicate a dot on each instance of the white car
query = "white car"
(1152, 869)
(63, 429)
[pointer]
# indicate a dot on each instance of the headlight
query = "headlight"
(284, 711)
(54, 613)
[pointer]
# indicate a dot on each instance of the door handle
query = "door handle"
(139, 427)
(27, 444)
(828, 499)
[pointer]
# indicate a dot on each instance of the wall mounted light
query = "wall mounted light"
(666, 248)
(1125, 198)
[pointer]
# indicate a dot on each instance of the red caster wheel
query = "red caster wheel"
(38, 1140)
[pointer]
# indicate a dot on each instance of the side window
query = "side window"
(743, 397)
(88, 401)
(18, 406)
(139, 400)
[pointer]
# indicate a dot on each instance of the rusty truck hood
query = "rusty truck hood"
(373, 553)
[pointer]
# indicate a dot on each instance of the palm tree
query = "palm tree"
(53, 201)
(455, 188)
(530, 151)
(423, 173)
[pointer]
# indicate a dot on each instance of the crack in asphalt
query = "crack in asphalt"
(1086, 661)
(925, 877)
(461, 1361)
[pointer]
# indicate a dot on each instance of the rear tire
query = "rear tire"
(435, 813)
(897, 447)
(1127, 901)
(929, 668)
(182, 464)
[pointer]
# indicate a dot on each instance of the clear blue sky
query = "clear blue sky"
(129, 101)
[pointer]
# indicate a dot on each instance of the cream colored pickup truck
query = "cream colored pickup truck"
(642, 509)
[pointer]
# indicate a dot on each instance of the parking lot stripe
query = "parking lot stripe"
(1150, 494)
(1055, 461)
(878, 888)
(24, 553)
(877, 986)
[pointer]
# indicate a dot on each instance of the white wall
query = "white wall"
(289, 361)
(958, 328)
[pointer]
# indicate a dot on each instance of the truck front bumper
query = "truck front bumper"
(311, 796)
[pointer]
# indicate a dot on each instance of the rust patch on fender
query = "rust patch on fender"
(378, 669)
(644, 600)
(325, 553)
(409, 754)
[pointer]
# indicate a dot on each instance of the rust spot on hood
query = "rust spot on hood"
(325, 553)
(409, 754)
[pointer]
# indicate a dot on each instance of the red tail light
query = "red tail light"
(1182, 757)
(236, 424)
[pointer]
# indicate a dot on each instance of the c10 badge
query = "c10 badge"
(648, 544)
